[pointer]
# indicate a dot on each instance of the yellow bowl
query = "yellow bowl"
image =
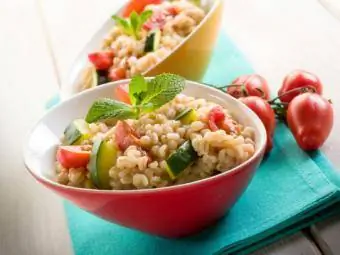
(189, 59)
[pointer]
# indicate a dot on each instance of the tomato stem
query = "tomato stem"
(302, 90)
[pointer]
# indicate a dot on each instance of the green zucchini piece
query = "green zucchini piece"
(103, 157)
(76, 132)
(152, 41)
(187, 116)
(179, 160)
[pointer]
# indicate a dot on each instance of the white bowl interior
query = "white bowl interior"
(70, 84)
(40, 148)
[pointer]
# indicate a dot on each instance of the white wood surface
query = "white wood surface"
(327, 234)
(38, 42)
(296, 244)
(31, 217)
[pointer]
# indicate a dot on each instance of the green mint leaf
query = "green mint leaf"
(123, 23)
(145, 15)
(135, 21)
(162, 89)
(106, 108)
(137, 89)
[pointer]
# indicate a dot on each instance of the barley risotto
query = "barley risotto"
(161, 138)
(138, 41)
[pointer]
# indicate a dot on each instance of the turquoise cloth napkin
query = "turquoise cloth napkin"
(290, 190)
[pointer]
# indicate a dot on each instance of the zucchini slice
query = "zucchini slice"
(76, 132)
(187, 116)
(179, 160)
(103, 157)
(152, 41)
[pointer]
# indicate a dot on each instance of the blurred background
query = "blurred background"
(38, 42)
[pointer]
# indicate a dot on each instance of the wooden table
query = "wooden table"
(39, 40)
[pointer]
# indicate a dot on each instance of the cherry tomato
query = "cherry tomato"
(266, 115)
(138, 6)
(116, 74)
(157, 21)
(215, 116)
(251, 85)
(101, 60)
(125, 136)
(310, 118)
(73, 156)
(122, 94)
(298, 79)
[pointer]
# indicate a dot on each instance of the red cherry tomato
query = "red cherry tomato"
(116, 74)
(125, 136)
(101, 60)
(215, 116)
(122, 94)
(138, 6)
(310, 118)
(252, 85)
(73, 156)
(298, 79)
(157, 21)
(266, 115)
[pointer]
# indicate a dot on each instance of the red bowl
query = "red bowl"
(171, 211)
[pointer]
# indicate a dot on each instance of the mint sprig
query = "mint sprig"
(162, 89)
(106, 108)
(138, 88)
(133, 25)
(145, 96)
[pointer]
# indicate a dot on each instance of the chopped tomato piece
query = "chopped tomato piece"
(122, 94)
(138, 6)
(125, 136)
(215, 117)
(172, 10)
(157, 21)
(116, 74)
(229, 126)
(101, 60)
(73, 156)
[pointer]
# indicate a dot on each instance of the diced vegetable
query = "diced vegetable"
(102, 77)
(215, 116)
(187, 116)
(138, 6)
(103, 158)
(116, 74)
(121, 92)
(76, 132)
(172, 10)
(157, 21)
(182, 158)
(72, 156)
(125, 136)
(152, 41)
(101, 60)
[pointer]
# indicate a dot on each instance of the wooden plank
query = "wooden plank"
(295, 244)
(31, 218)
(67, 25)
(327, 233)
